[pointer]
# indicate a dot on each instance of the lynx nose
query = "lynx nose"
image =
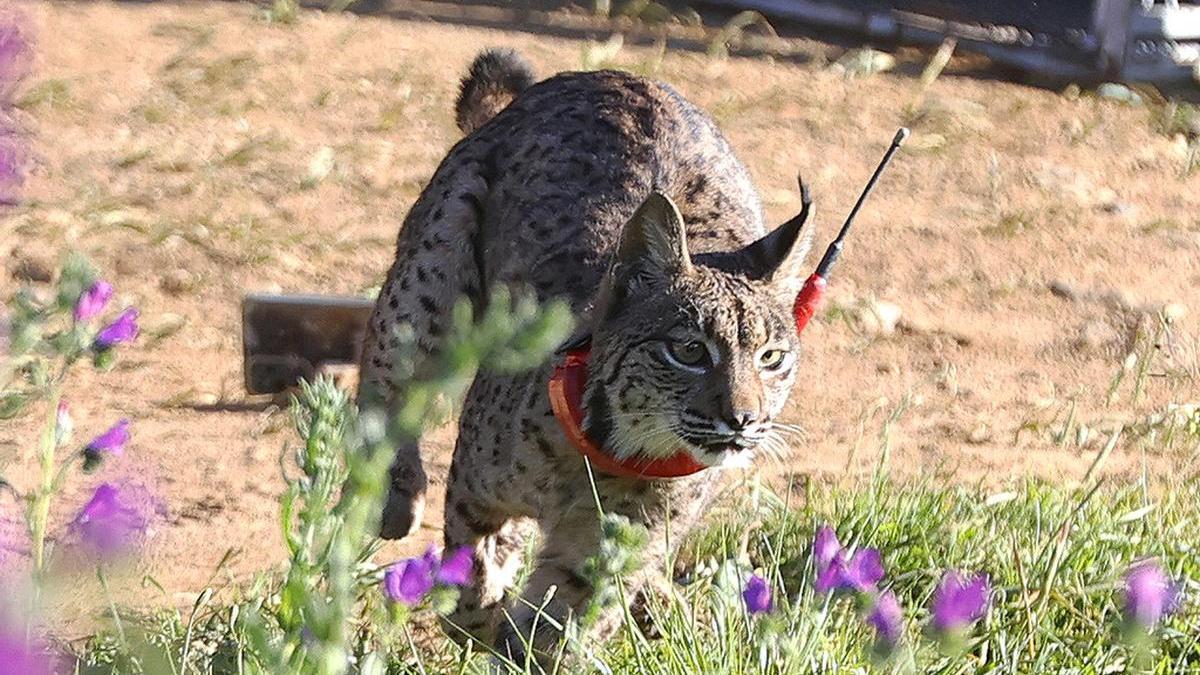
(740, 420)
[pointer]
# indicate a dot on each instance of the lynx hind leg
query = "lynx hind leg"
(558, 591)
(435, 265)
(499, 545)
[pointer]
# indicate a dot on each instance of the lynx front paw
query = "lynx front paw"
(405, 501)
(401, 514)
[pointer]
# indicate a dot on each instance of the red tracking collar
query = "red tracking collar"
(566, 394)
(569, 380)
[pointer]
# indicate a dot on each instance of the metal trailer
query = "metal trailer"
(1148, 41)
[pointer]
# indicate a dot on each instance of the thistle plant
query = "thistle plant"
(622, 543)
(51, 334)
(331, 510)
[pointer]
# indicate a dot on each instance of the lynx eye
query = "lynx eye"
(772, 359)
(692, 353)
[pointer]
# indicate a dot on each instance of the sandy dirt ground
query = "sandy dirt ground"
(198, 152)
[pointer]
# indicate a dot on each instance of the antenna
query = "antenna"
(835, 249)
(810, 294)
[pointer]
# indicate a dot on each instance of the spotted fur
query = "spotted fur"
(617, 195)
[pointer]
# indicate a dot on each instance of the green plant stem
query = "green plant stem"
(112, 606)
(38, 514)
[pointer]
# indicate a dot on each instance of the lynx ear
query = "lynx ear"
(778, 257)
(654, 239)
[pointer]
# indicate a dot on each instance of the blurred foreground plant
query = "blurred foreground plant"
(51, 333)
(330, 513)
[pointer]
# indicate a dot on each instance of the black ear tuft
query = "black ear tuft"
(778, 257)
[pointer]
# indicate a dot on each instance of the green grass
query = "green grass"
(1055, 556)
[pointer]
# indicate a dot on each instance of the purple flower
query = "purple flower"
(959, 601)
(108, 523)
(888, 620)
(112, 441)
(455, 569)
(825, 547)
(861, 572)
(1149, 594)
(18, 659)
(93, 301)
(408, 581)
(836, 571)
(757, 595)
(123, 329)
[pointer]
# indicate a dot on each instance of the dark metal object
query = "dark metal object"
(289, 337)
(1156, 41)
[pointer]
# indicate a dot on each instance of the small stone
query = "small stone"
(1094, 335)
(1118, 208)
(1180, 149)
(33, 269)
(206, 399)
(60, 218)
(344, 375)
(1118, 92)
(177, 282)
(165, 324)
(173, 242)
(1174, 311)
(865, 61)
(887, 368)
(879, 317)
(289, 261)
(980, 434)
(1104, 196)
(320, 165)
(1064, 289)
(115, 217)
(927, 142)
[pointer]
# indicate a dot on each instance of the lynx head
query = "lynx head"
(695, 355)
